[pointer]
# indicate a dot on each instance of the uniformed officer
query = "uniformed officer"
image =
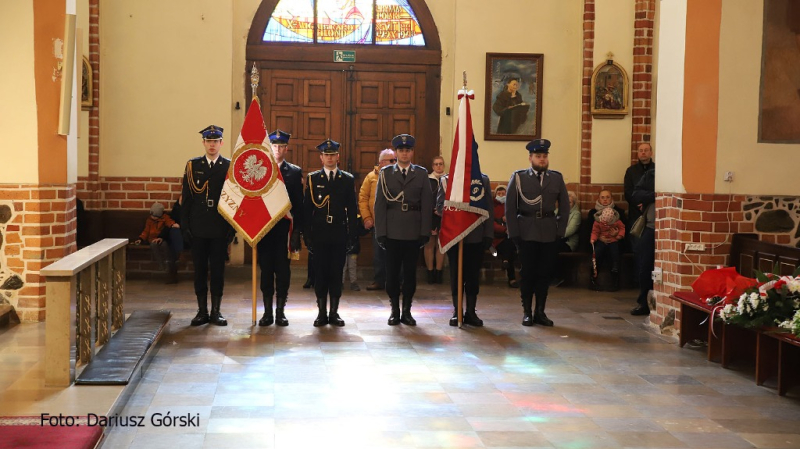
(331, 214)
(207, 230)
(475, 245)
(403, 204)
(273, 249)
(533, 227)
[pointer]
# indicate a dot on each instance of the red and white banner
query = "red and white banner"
(465, 199)
(254, 197)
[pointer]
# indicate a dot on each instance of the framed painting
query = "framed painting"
(87, 86)
(513, 96)
(609, 91)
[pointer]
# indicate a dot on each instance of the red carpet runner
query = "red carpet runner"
(28, 432)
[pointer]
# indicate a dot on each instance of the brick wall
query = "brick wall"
(91, 201)
(41, 230)
(642, 82)
(129, 193)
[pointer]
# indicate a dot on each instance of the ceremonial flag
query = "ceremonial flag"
(254, 196)
(465, 202)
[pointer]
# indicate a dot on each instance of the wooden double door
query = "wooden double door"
(360, 109)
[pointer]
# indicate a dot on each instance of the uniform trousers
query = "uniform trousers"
(378, 261)
(209, 253)
(328, 264)
(646, 259)
(274, 261)
(507, 251)
(401, 254)
(472, 262)
(537, 260)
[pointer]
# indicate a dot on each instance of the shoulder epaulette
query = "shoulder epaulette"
(346, 174)
(314, 173)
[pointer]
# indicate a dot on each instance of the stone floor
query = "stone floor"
(598, 379)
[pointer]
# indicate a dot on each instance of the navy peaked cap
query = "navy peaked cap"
(329, 147)
(538, 146)
(404, 141)
(279, 137)
(212, 132)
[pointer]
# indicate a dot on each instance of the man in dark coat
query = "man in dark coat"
(534, 227)
(633, 175)
(203, 225)
(403, 205)
(273, 249)
(331, 215)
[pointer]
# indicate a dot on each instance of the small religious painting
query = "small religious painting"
(779, 109)
(513, 96)
(86, 84)
(609, 91)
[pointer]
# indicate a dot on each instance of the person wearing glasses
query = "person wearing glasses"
(366, 206)
(434, 260)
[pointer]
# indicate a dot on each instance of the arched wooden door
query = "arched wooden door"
(387, 91)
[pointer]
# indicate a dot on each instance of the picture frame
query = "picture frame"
(609, 91)
(513, 96)
(87, 84)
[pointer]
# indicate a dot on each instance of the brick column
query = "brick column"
(642, 82)
(90, 191)
(586, 198)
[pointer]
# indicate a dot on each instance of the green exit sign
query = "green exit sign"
(344, 56)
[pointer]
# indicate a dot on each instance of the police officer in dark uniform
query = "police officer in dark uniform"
(202, 225)
(273, 249)
(532, 226)
(475, 245)
(403, 204)
(331, 215)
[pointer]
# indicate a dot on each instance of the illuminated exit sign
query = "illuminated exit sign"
(344, 56)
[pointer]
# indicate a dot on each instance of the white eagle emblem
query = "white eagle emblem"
(254, 170)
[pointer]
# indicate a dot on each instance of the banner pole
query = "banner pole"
(460, 283)
(255, 260)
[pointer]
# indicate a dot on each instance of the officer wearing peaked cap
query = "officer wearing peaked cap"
(203, 225)
(534, 227)
(273, 249)
(331, 215)
(403, 204)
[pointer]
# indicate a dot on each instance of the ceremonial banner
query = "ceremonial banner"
(465, 202)
(254, 197)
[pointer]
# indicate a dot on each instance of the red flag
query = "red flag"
(465, 202)
(254, 197)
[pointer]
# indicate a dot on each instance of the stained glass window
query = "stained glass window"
(382, 22)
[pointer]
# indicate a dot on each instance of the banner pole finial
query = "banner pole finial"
(254, 79)
(465, 79)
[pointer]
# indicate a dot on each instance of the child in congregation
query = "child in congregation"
(156, 226)
(608, 231)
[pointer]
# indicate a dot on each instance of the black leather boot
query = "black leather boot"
(406, 317)
(431, 276)
(470, 317)
(615, 281)
(172, 273)
(202, 312)
(333, 318)
(527, 318)
(439, 275)
(309, 283)
(538, 316)
(280, 318)
(267, 319)
(216, 317)
(394, 318)
(454, 319)
(322, 314)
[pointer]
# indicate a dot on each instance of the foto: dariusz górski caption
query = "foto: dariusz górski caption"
(92, 420)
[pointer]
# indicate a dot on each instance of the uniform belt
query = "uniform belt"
(403, 206)
(537, 214)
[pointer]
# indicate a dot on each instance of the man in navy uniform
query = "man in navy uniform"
(403, 204)
(475, 245)
(533, 226)
(273, 249)
(331, 215)
(203, 225)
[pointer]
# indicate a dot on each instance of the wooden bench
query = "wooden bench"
(729, 342)
(778, 354)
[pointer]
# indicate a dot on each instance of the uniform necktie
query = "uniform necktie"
(211, 164)
(330, 176)
(404, 173)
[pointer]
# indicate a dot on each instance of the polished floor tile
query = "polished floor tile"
(598, 379)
